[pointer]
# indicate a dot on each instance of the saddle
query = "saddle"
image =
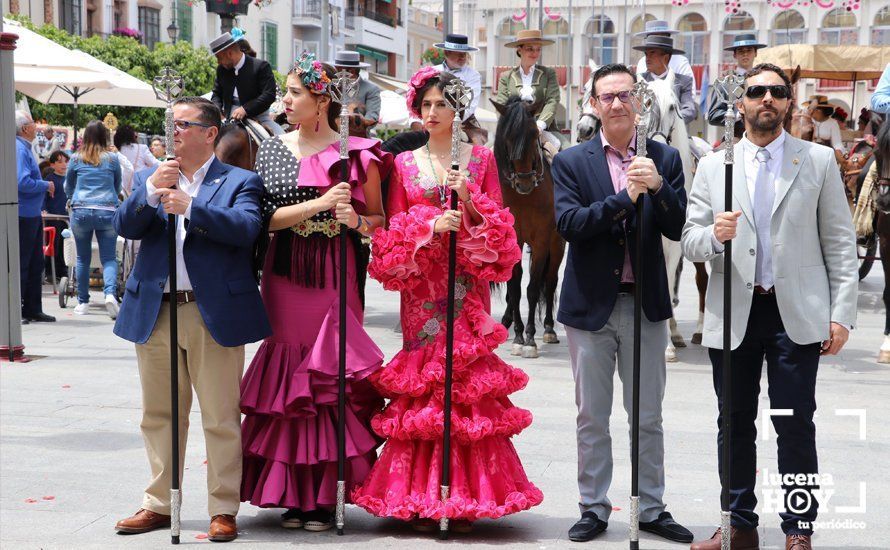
(257, 132)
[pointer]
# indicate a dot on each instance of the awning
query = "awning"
(829, 62)
(373, 54)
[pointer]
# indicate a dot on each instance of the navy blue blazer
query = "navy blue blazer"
(593, 218)
(218, 250)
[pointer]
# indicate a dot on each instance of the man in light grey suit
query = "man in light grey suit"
(794, 284)
(659, 50)
(368, 92)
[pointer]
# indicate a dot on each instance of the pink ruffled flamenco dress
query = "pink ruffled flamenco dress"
(289, 393)
(487, 478)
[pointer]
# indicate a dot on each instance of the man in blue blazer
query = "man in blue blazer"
(218, 306)
(596, 186)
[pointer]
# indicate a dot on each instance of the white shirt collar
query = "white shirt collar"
(773, 147)
(531, 71)
(240, 63)
(198, 177)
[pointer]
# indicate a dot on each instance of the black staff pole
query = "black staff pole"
(458, 95)
(732, 87)
(168, 86)
(343, 90)
(644, 98)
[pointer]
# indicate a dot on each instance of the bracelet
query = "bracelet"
(359, 224)
(469, 199)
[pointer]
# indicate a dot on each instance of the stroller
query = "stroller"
(124, 252)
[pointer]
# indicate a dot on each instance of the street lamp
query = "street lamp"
(172, 31)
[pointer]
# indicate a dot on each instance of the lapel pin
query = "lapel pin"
(795, 161)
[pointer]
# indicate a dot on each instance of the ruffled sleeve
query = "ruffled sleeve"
(398, 252)
(489, 249)
(323, 168)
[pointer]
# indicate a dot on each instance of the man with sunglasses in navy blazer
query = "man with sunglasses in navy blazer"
(219, 309)
(596, 185)
(794, 290)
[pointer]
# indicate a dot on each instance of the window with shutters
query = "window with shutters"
(70, 16)
(150, 25)
(184, 20)
(269, 47)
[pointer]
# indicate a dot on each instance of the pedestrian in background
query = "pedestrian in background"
(31, 189)
(157, 148)
(138, 154)
(56, 203)
(94, 182)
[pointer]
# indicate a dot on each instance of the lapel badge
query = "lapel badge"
(795, 160)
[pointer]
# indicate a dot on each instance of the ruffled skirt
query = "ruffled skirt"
(289, 398)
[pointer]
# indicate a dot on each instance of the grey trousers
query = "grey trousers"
(594, 356)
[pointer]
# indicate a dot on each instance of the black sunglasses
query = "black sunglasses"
(778, 91)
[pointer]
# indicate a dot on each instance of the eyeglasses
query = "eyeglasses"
(186, 124)
(778, 91)
(607, 99)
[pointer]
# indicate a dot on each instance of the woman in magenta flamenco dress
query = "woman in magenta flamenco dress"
(411, 256)
(289, 393)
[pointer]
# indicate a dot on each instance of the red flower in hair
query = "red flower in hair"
(417, 82)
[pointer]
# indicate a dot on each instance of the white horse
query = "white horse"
(666, 126)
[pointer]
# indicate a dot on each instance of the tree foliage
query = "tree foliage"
(196, 65)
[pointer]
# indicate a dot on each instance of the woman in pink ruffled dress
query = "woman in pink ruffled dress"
(289, 393)
(411, 256)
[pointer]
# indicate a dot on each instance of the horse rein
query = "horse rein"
(536, 174)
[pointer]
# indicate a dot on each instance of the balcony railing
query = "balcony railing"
(376, 16)
(307, 8)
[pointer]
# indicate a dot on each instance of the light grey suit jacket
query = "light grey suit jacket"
(813, 244)
(369, 94)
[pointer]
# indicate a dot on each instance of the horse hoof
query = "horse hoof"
(696, 338)
(670, 356)
(678, 341)
(884, 356)
(517, 350)
(550, 338)
(530, 352)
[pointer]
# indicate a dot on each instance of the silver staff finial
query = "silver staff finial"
(644, 100)
(344, 88)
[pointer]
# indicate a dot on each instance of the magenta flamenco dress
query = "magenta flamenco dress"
(289, 392)
(487, 478)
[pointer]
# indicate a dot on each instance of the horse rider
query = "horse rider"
(659, 50)
(457, 56)
(535, 83)
(826, 129)
(744, 51)
(245, 86)
(679, 63)
(368, 92)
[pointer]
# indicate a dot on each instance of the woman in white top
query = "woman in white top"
(137, 153)
(826, 130)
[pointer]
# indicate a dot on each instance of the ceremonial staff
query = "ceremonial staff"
(168, 86)
(642, 105)
(457, 95)
(343, 91)
(730, 87)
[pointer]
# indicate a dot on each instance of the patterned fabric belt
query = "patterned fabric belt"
(329, 228)
(182, 297)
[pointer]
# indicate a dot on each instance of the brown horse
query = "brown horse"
(359, 126)
(528, 191)
(235, 146)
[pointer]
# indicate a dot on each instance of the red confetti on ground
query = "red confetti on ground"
(66, 386)
(49, 497)
(201, 536)
(30, 500)
(616, 508)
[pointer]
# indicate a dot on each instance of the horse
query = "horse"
(358, 126)
(879, 193)
(237, 145)
(527, 189)
(666, 126)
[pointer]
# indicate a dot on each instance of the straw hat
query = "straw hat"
(531, 36)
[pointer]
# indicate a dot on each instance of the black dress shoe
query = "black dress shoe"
(588, 527)
(41, 318)
(666, 527)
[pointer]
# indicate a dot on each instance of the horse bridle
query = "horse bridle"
(536, 173)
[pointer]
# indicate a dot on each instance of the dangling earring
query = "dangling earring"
(317, 121)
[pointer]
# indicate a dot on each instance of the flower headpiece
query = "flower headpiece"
(417, 82)
(312, 73)
(237, 34)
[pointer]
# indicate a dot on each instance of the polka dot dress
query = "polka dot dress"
(280, 169)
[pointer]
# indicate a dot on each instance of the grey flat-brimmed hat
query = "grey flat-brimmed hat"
(349, 58)
(665, 43)
(745, 41)
(225, 40)
(456, 43)
(657, 26)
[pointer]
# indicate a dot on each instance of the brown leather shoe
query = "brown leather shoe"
(798, 542)
(741, 539)
(142, 521)
(222, 528)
